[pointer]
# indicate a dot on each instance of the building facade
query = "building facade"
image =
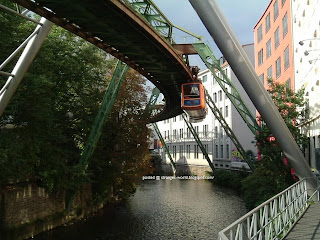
(219, 146)
(288, 50)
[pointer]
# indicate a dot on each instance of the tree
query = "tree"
(64, 80)
(273, 173)
(122, 155)
(52, 113)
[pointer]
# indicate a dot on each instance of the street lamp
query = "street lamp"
(306, 52)
(310, 39)
(313, 60)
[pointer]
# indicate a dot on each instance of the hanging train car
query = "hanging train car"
(193, 101)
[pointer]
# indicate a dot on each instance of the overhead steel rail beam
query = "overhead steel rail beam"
(115, 27)
(154, 16)
(218, 27)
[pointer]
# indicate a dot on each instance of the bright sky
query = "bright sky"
(241, 15)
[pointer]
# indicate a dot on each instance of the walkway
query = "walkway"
(308, 227)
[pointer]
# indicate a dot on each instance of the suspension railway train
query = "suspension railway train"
(193, 101)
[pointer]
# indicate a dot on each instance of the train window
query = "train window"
(191, 90)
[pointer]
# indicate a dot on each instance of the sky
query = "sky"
(241, 15)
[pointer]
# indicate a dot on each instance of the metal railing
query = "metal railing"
(188, 137)
(273, 218)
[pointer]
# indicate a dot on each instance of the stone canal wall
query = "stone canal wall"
(23, 205)
(28, 210)
(184, 170)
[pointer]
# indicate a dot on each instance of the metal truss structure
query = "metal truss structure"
(227, 129)
(197, 139)
(227, 86)
(104, 111)
(30, 49)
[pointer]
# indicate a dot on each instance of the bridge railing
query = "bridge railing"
(273, 218)
(154, 16)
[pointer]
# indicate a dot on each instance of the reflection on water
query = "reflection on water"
(165, 209)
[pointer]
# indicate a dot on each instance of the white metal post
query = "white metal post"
(24, 62)
(218, 27)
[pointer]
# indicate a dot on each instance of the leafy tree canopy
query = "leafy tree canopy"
(53, 110)
(273, 173)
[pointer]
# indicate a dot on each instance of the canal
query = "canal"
(164, 209)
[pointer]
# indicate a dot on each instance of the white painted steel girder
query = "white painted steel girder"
(218, 27)
(24, 62)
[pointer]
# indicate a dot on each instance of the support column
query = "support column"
(24, 62)
(218, 27)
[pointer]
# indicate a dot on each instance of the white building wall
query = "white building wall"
(184, 149)
(306, 28)
(239, 127)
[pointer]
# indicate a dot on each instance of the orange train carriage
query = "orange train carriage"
(193, 101)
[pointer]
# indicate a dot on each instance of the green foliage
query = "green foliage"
(122, 155)
(230, 179)
(292, 109)
(52, 112)
(273, 174)
(270, 178)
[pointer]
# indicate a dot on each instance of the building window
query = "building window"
(196, 151)
(188, 133)
(288, 83)
(215, 97)
(285, 25)
(275, 10)
(206, 149)
(221, 111)
(174, 152)
(216, 150)
(276, 38)
(205, 130)
(262, 78)
(278, 67)
(174, 133)
(188, 151)
(165, 134)
(227, 111)
(268, 23)
(226, 72)
(181, 133)
(204, 78)
(268, 47)
(196, 129)
(220, 95)
(260, 57)
(221, 132)
(282, 2)
(269, 72)
(174, 119)
(227, 151)
(216, 132)
(259, 33)
(181, 151)
(221, 151)
(286, 58)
